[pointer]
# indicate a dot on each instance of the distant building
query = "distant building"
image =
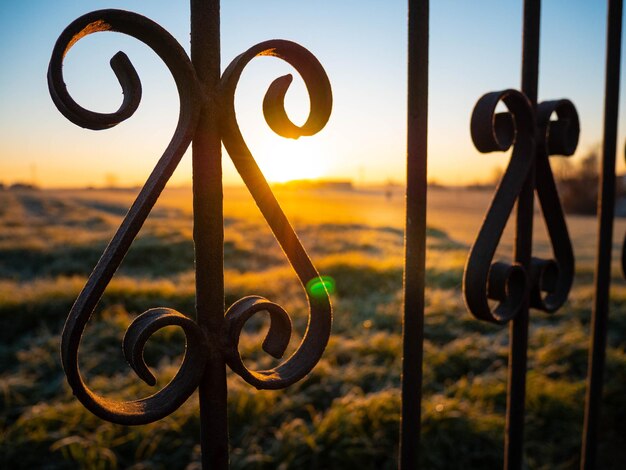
(336, 185)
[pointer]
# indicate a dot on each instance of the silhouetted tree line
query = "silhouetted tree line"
(579, 185)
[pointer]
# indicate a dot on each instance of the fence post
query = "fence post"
(208, 232)
(415, 234)
(518, 348)
(606, 210)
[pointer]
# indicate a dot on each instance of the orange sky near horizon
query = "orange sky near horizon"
(362, 48)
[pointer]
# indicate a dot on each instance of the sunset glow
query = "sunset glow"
(364, 140)
(286, 160)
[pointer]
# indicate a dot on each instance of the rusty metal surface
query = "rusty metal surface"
(209, 340)
(208, 233)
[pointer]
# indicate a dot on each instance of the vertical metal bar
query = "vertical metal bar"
(606, 208)
(415, 241)
(516, 393)
(208, 233)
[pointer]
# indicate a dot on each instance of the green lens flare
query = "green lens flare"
(319, 286)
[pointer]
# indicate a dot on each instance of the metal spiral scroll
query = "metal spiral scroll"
(186, 380)
(320, 315)
(534, 139)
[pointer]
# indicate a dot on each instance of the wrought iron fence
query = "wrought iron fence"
(495, 292)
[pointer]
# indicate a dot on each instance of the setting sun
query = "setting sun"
(284, 160)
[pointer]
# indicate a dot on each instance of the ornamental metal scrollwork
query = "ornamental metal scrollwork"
(534, 138)
(318, 328)
(552, 279)
(192, 100)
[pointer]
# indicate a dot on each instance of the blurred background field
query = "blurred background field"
(346, 413)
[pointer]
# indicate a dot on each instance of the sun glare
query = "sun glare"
(289, 160)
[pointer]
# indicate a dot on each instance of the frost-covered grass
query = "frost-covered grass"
(345, 414)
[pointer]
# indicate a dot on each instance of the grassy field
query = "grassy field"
(346, 413)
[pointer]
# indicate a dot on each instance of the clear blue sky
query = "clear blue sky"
(475, 48)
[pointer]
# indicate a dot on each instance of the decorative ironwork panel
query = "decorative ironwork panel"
(547, 283)
(205, 346)
(535, 131)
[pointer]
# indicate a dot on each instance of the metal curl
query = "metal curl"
(482, 279)
(311, 71)
(148, 323)
(320, 312)
(168, 399)
(552, 279)
(121, 65)
(560, 136)
(173, 55)
(275, 343)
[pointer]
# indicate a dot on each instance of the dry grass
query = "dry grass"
(345, 414)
